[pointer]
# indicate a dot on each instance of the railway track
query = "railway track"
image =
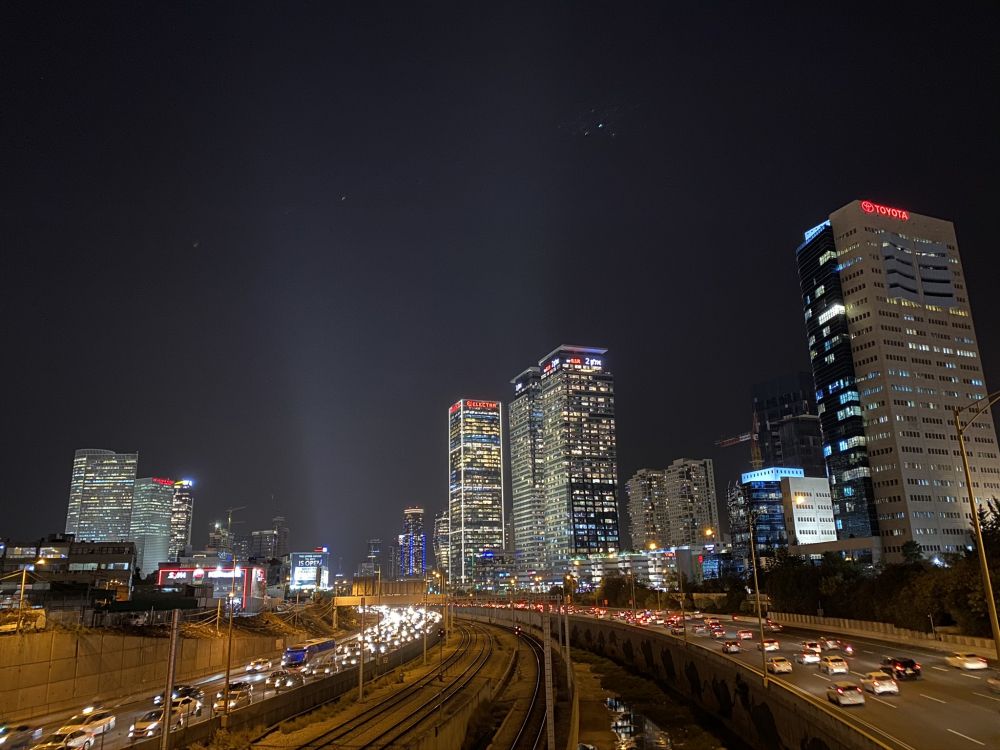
(531, 733)
(384, 722)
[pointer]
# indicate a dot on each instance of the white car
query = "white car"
(779, 665)
(259, 665)
(150, 724)
(93, 721)
(807, 657)
(185, 707)
(769, 644)
(812, 646)
(834, 665)
(879, 682)
(64, 740)
(845, 694)
(966, 660)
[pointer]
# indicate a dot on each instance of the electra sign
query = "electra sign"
(480, 404)
(874, 208)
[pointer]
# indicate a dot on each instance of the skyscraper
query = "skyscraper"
(580, 456)
(181, 517)
(263, 544)
(475, 489)
(788, 429)
(152, 506)
(281, 542)
(100, 495)
(647, 509)
(691, 505)
(441, 541)
(413, 544)
(893, 351)
(526, 469)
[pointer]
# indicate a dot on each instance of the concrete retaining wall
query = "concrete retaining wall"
(887, 632)
(42, 673)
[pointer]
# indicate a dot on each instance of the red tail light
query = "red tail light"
(858, 689)
(918, 666)
(982, 660)
(840, 690)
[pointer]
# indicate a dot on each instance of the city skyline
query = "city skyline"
(267, 273)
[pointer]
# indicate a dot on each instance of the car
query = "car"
(778, 665)
(320, 666)
(150, 723)
(812, 646)
(835, 644)
(19, 736)
(181, 691)
(772, 626)
(879, 682)
(63, 740)
(768, 644)
(282, 680)
(845, 694)
(807, 657)
(185, 707)
(240, 694)
(259, 665)
(699, 629)
(834, 665)
(732, 647)
(744, 635)
(901, 668)
(95, 721)
(966, 660)
(718, 633)
(677, 630)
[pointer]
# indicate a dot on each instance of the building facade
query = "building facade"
(475, 490)
(808, 508)
(441, 541)
(181, 518)
(649, 524)
(100, 495)
(580, 465)
(413, 544)
(526, 469)
(263, 544)
(894, 352)
(692, 514)
(280, 526)
(152, 506)
(788, 428)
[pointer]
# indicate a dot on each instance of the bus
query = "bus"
(303, 653)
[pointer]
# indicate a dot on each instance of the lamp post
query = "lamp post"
(652, 548)
(979, 406)
(752, 517)
(20, 601)
(229, 638)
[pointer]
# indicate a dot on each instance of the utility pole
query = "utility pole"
(550, 709)
(168, 696)
(569, 664)
(229, 645)
(756, 587)
(361, 655)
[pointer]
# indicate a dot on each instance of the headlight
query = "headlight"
(132, 728)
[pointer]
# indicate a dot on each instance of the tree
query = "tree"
(911, 552)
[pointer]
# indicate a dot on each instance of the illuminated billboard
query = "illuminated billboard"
(310, 570)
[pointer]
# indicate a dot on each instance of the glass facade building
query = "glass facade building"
(181, 518)
(100, 495)
(475, 491)
(762, 502)
(580, 465)
(152, 506)
(413, 544)
(527, 469)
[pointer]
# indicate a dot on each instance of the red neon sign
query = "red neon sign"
(481, 404)
(454, 407)
(164, 482)
(874, 208)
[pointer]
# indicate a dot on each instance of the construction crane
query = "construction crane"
(752, 437)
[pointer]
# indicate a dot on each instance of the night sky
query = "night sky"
(267, 246)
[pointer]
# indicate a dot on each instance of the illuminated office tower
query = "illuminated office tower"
(893, 351)
(691, 505)
(526, 465)
(442, 541)
(152, 506)
(281, 540)
(181, 516)
(413, 544)
(475, 491)
(580, 457)
(649, 523)
(100, 495)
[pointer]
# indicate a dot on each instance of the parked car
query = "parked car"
(845, 694)
(901, 668)
(966, 660)
(731, 647)
(879, 682)
(95, 721)
(807, 657)
(19, 737)
(778, 665)
(834, 665)
(78, 738)
(259, 665)
(769, 644)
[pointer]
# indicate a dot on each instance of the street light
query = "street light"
(987, 401)
(229, 638)
(652, 548)
(752, 518)
(24, 584)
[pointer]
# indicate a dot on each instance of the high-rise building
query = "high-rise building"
(263, 544)
(760, 509)
(788, 428)
(893, 352)
(691, 505)
(475, 489)
(580, 471)
(413, 544)
(526, 470)
(441, 541)
(181, 518)
(100, 495)
(220, 539)
(647, 509)
(152, 506)
(281, 542)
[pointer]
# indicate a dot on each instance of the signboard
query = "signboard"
(309, 570)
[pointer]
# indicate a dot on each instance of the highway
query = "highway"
(946, 708)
